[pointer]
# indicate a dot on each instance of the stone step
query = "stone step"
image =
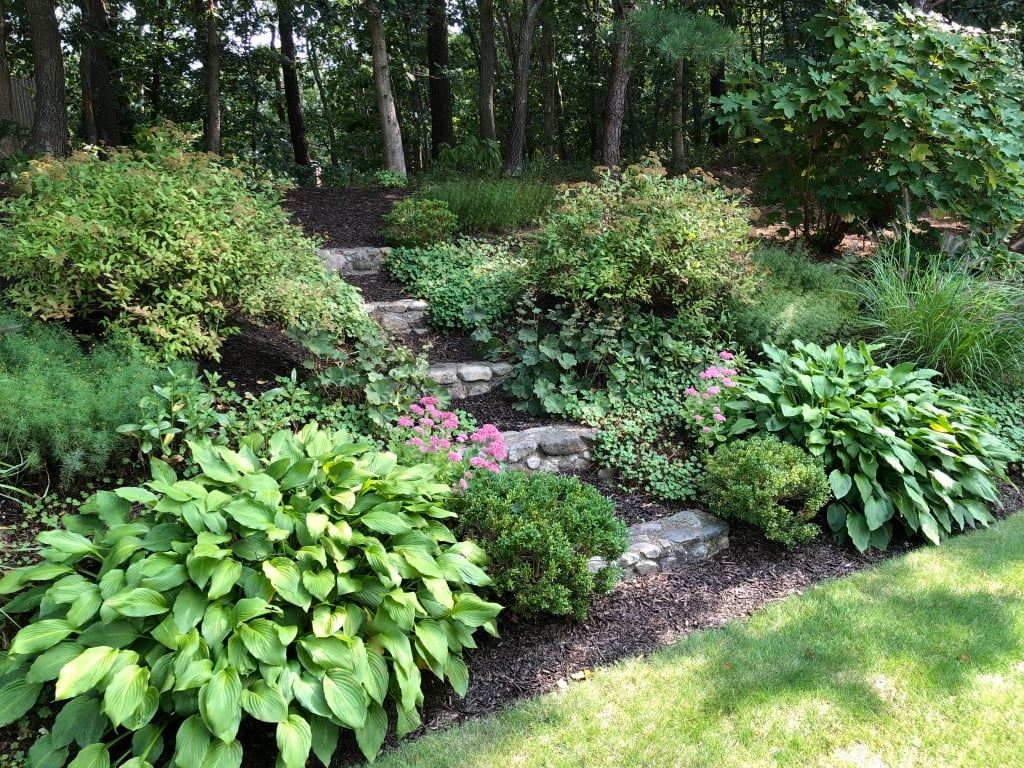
(554, 448)
(670, 544)
(400, 317)
(354, 262)
(469, 379)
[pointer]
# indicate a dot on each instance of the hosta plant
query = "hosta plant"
(901, 452)
(302, 588)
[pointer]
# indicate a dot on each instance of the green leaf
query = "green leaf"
(857, 528)
(80, 720)
(284, 577)
(223, 755)
(260, 637)
(434, 640)
(318, 584)
(294, 741)
(138, 602)
(148, 743)
(45, 754)
(189, 608)
(17, 698)
(265, 702)
(93, 756)
(840, 482)
(251, 514)
(346, 697)
(81, 674)
(473, 611)
(125, 694)
(220, 703)
(48, 664)
(41, 635)
(191, 743)
(370, 736)
(67, 542)
(457, 673)
(325, 739)
(224, 578)
(212, 465)
(876, 512)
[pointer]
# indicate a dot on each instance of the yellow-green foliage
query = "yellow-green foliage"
(162, 245)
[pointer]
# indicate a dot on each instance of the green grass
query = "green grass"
(918, 662)
(494, 206)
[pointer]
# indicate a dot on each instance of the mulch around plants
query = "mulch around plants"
(253, 358)
(378, 287)
(497, 408)
(344, 218)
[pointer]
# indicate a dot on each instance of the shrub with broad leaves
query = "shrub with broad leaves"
(900, 451)
(307, 588)
(416, 222)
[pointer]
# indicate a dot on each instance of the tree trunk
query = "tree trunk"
(594, 77)
(50, 126)
(394, 156)
(212, 141)
(156, 82)
(417, 141)
(488, 63)
(99, 103)
(292, 95)
(718, 134)
(325, 105)
(442, 129)
(7, 144)
(548, 89)
(618, 86)
(521, 80)
(681, 84)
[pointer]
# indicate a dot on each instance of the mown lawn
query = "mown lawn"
(918, 662)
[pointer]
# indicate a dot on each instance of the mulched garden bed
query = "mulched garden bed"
(496, 408)
(344, 218)
(378, 287)
(253, 358)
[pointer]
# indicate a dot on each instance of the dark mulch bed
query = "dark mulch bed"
(440, 347)
(344, 218)
(379, 287)
(255, 356)
(631, 505)
(496, 408)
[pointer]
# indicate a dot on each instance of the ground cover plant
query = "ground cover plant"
(63, 403)
(493, 206)
(901, 453)
(305, 587)
(417, 222)
(914, 659)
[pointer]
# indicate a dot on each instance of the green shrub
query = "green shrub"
(390, 179)
(467, 284)
(797, 299)
(539, 530)
(472, 155)
(61, 405)
(162, 244)
(416, 222)
(775, 486)
(898, 448)
(1005, 407)
(942, 316)
(494, 206)
(641, 239)
(307, 587)
(907, 108)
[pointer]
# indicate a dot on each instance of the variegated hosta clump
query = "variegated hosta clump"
(301, 588)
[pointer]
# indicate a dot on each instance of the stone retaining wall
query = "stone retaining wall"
(670, 544)
(557, 448)
(469, 379)
(400, 317)
(353, 262)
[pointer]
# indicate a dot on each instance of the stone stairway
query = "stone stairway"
(664, 545)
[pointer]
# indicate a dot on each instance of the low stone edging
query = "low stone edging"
(400, 317)
(463, 380)
(354, 262)
(555, 448)
(670, 544)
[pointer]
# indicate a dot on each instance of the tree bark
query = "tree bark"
(718, 134)
(292, 95)
(594, 76)
(325, 105)
(50, 125)
(442, 129)
(7, 144)
(212, 127)
(156, 82)
(547, 48)
(618, 86)
(516, 162)
(99, 103)
(488, 63)
(394, 156)
(680, 86)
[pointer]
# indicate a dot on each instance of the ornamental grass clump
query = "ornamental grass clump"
(903, 455)
(308, 587)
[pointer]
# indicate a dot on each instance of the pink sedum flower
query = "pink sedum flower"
(726, 355)
(689, 391)
(714, 389)
(417, 409)
(405, 421)
(707, 429)
(719, 417)
(454, 456)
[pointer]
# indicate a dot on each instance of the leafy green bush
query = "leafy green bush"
(62, 405)
(641, 239)
(1005, 407)
(472, 155)
(539, 530)
(162, 244)
(493, 206)
(307, 587)
(390, 179)
(466, 284)
(415, 222)
(775, 486)
(796, 299)
(943, 316)
(909, 108)
(898, 448)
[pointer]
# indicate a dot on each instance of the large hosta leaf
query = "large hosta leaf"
(191, 743)
(346, 697)
(265, 702)
(125, 694)
(93, 756)
(138, 602)
(17, 698)
(294, 740)
(40, 636)
(220, 703)
(85, 671)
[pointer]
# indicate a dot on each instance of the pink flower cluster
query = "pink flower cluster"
(702, 406)
(440, 433)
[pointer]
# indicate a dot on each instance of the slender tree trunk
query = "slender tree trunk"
(50, 126)
(418, 141)
(7, 144)
(521, 81)
(99, 108)
(548, 87)
(618, 86)
(488, 60)
(156, 82)
(278, 89)
(210, 30)
(696, 114)
(594, 78)
(292, 94)
(442, 129)
(394, 156)
(325, 105)
(680, 86)
(718, 135)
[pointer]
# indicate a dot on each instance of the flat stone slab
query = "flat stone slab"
(400, 317)
(554, 448)
(469, 379)
(670, 544)
(354, 262)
